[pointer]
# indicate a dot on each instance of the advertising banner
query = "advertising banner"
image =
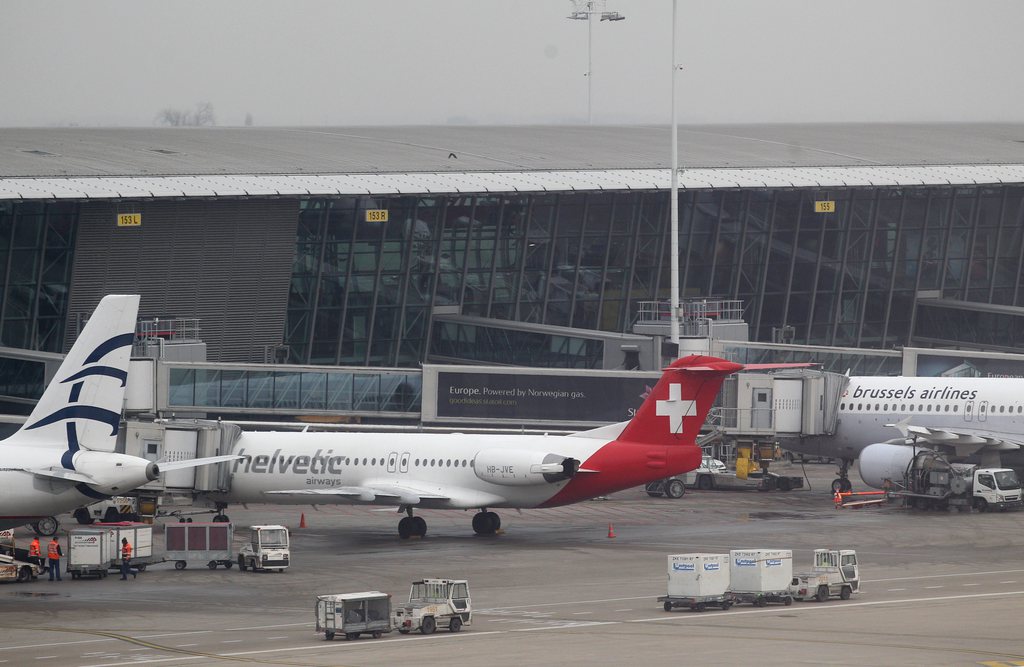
(524, 398)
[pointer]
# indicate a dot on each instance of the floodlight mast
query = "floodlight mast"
(585, 10)
(674, 204)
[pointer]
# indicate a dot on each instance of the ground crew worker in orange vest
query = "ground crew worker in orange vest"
(126, 559)
(34, 552)
(53, 553)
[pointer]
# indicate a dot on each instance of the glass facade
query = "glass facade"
(239, 390)
(36, 246)
(362, 292)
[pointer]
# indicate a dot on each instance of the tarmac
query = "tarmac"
(554, 588)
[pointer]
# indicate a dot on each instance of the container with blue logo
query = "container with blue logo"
(698, 575)
(761, 575)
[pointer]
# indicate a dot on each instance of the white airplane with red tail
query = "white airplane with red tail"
(463, 471)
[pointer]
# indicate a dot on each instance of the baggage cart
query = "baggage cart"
(206, 544)
(90, 552)
(140, 536)
(698, 581)
(760, 576)
(354, 614)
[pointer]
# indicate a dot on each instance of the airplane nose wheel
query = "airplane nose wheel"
(486, 523)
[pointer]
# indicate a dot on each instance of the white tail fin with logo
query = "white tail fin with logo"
(81, 406)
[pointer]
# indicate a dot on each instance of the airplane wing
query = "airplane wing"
(960, 441)
(63, 474)
(387, 492)
(195, 463)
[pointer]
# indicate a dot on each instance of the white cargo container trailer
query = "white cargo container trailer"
(697, 581)
(760, 576)
(90, 552)
(139, 535)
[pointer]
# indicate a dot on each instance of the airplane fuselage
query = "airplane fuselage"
(452, 471)
(870, 403)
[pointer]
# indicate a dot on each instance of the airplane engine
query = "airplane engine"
(882, 461)
(518, 467)
(115, 474)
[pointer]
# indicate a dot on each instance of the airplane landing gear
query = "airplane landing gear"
(411, 526)
(843, 484)
(221, 515)
(46, 526)
(486, 523)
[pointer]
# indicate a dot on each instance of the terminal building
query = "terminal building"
(381, 250)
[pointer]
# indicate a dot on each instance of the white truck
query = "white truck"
(435, 603)
(932, 482)
(112, 510)
(267, 549)
(835, 574)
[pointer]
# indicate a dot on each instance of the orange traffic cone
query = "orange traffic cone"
(302, 520)
(611, 530)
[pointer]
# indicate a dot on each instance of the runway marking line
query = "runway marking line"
(575, 625)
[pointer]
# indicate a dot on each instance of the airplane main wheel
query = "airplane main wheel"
(486, 523)
(221, 518)
(419, 526)
(405, 527)
(46, 526)
(675, 489)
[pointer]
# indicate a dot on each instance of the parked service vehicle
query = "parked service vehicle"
(113, 510)
(760, 576)
(835, 574)
(16, 564)
(206, 544)
(435, 603)
(698, 581)
(932, 482)
(675, 487)
(267, 549)
(354, 614)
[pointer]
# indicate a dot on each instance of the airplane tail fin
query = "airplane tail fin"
(677, 407)
(81, 407)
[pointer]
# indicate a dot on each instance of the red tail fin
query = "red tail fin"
(678, 405)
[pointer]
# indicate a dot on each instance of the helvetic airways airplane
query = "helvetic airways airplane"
(63, 456)
(883, 419)
(460, 471)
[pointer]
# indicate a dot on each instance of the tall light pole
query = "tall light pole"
(674, 204)
(585, 10)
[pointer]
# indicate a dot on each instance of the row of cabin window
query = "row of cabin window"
(921, 407)
(440, 463)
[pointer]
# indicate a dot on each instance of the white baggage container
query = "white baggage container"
(90, 552)
(698, 575)
(140, 536)
(760, 570)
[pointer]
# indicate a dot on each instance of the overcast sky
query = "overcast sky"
(357, 62)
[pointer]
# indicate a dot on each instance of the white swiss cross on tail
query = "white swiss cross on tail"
(675, 408)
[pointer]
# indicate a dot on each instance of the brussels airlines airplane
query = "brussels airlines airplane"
(883, 419)
(63, 456)
(461, 471)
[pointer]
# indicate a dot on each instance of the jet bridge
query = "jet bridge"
(179, 440)
(785, 404)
